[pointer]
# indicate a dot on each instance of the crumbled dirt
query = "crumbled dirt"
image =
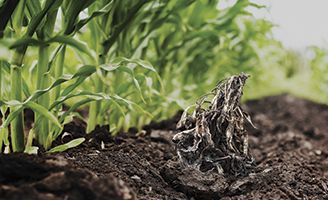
(289, 146)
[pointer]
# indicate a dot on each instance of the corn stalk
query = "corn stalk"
(110, 30)
(17, 125)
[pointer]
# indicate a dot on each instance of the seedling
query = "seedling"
(214, 137)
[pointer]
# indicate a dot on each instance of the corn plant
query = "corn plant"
(35, 23)
(42, 18)
(109, 37)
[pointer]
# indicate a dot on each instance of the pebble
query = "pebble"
(135, 177)
(318, 152)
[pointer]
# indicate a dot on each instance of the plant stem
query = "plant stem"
(57, 73)
(17, 125)
(2, 114)
(95, 106)
(42, 125)
(1, 67)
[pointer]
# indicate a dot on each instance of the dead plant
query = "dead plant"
(214, 136)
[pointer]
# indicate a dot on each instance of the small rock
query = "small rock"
(135, 177)
(318, 152)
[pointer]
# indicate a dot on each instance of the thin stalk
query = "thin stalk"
(95, 107)
(17, 125)
(57, 73)
(43, 129)
(1, 67)
(60, 68)
(2, 114)
(43, 126)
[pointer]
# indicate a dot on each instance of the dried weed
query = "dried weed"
(214, 137)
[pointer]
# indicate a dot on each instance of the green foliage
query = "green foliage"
(68, 145)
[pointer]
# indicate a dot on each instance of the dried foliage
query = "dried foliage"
(214, 137)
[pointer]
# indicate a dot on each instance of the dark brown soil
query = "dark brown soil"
(289, 147)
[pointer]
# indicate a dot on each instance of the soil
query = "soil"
(289, 146)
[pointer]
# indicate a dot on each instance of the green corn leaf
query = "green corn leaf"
(5, 66)
(257, 5)
(12, 116)
(71, 87)
(139, 62)
(25, 88)
(89, 97)
(54, 55)
(126, 69)
(81, 74)
(227, 16)
(62, 39)
(26, 41)
(120, 108)
(68, 112)
(85, 70)
(132, 105)
(36, 20)
(75, 106)
(74, 8)
(143, 64)
(108, 105)
(54, 5)
(137, 85)
(68, 145)
(44, 112)
(33, 7)
(29, 41)
(69, 118)
(86, 94)
(109, 67)
(11, 103)
(38, 93)
(62, 99)
(106, 9)
(148, 82)
(18, 15)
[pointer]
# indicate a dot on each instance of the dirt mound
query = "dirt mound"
(52, 178)
(289, 146)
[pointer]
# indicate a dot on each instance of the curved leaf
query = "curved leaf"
(81, 74)
(68, 145)
(63, 39)
(44, 112)
(107, 8)
(26, 41)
